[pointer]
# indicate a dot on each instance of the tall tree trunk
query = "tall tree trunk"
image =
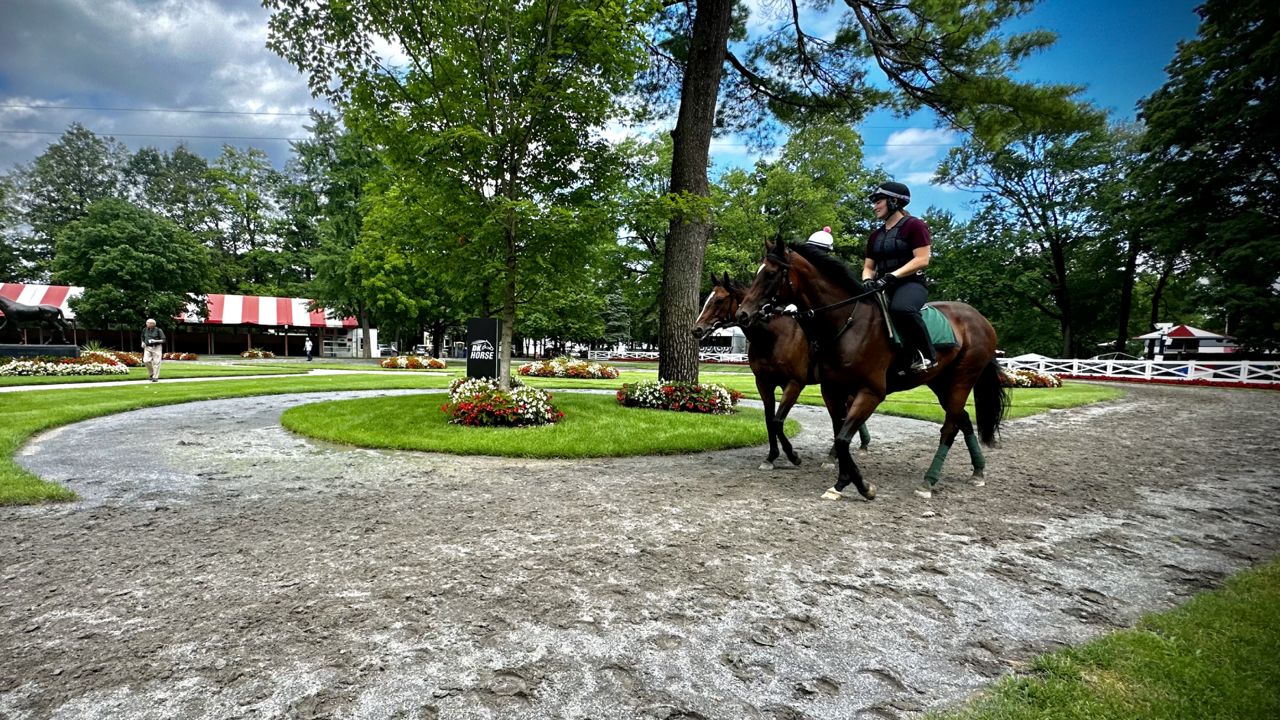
(437, 339)
(1165, 273)
(364, 330)
(687, 236)
(1062, 296)
(1126, 293)
(508, 310)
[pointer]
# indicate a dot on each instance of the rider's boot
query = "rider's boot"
(916, 338)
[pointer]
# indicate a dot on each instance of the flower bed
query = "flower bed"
(127, 359)
(413, 362)
(180, 356)
(61, 366)
(257, 354)
(563, 367)
(479, 402)
(680, 396)
(1028, 379)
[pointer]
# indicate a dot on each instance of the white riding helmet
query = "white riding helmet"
(822, 238)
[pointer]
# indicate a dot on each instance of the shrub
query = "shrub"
(563, 367)
(257, 353)
(414, 362)
(480, 402)
(180, 356)
(1025, 378)
(680, 396)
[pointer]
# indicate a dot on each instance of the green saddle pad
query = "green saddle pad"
(941, 333)
(940, 330)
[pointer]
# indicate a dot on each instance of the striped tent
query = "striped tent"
(223, 309)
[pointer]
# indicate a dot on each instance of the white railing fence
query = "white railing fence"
(720, 357)
(1200, 371)
(1197, 371)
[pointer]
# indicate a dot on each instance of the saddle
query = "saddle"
(941, 334)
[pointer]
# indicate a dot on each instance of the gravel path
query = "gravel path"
(220, 567)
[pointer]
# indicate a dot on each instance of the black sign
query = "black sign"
(482, 347)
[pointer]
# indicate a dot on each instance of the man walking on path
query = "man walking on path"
(152, 349)
(307, 347)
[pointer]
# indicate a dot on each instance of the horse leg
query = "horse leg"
(953, 404)
(864, 403)
(978, 479)
(864, 439)
(790, 394)
(766, 396)
(836, 409)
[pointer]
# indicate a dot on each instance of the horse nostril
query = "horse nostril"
(696, 332)
(743, 316)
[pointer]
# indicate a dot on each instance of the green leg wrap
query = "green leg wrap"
(864, 435)
(935, 469)
(975, 453)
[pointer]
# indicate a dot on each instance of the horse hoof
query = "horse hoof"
(864, 451)
(978, 481)
(828, 465)
(925, 490)
(870, 494)
(766, 465)
(832, 494)
(795, 460)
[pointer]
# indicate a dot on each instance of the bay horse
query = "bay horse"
(780, 356)
(16, 313)
(856, 357)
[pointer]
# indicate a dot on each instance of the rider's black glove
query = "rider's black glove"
(876, 284)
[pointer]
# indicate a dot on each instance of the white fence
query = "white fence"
(1191, 371)
(720, 357)
(1196, 371)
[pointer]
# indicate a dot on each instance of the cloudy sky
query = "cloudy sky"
(110, 64)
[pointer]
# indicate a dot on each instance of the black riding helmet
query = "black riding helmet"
(896, 193)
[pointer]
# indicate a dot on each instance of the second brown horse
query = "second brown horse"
(780, 356)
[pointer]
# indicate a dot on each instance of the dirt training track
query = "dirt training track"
(219, 567)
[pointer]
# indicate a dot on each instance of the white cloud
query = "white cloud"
(184, 54)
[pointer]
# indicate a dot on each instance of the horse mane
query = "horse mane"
(830, 267)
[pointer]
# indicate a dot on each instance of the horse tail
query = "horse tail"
(990, 401)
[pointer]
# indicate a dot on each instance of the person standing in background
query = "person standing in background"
(152, 349)
(306, 346)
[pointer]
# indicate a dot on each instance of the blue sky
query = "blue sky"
(99, 62)
(1118, 50)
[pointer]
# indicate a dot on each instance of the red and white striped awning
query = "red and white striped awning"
(1183, 332)
(269, 311)
(28, 294)
(223, 309)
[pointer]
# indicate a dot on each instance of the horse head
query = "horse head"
(720, 308)
(772, 288)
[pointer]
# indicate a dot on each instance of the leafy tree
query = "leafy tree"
(245, 186)
(15, 261)
(133, 265)
(331, 172)
(177, 185)
(1042, 188)
(943, 54)
(490, 112)
(1214, 148)
(817, 180)
(73, 173)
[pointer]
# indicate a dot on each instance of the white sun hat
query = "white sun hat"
(822, 238)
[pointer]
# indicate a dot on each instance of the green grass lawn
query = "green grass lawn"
(22, 414)
(416, 423)
(1218, 656)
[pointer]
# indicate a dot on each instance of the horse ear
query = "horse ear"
(714, 280)
(725, 282)
(779, 249)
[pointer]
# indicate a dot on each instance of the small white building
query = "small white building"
(1185, 342)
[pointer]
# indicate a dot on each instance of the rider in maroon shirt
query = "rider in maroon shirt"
(897, 254)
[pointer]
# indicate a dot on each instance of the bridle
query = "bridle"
(770, 310)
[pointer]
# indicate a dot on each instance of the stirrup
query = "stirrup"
(924, 364)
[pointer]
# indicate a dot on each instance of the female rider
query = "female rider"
(896, 256)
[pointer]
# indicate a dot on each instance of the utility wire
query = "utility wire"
(291, 139)
(155, 110)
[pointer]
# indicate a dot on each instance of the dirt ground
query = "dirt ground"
(220, 567)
